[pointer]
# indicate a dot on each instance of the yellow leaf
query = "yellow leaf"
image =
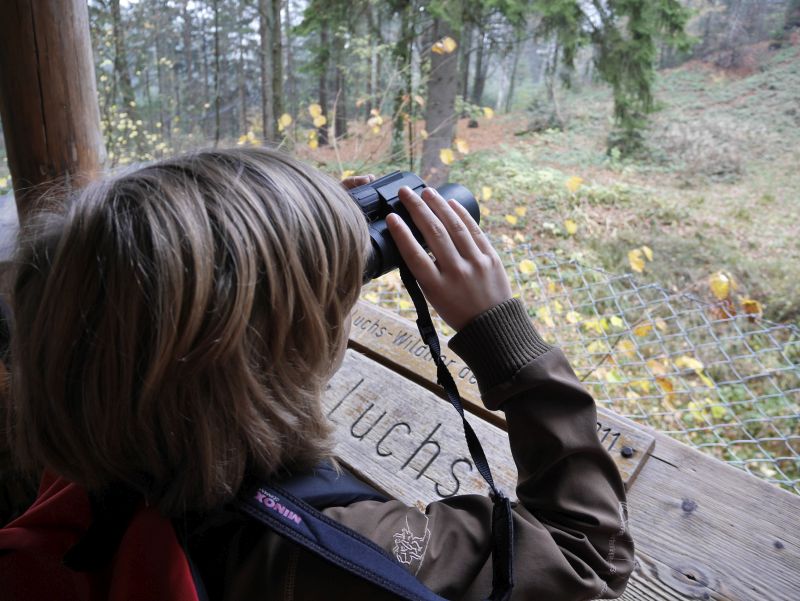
(718, 411)
(347, 173)
(665, 384)
(570, 226)
(687, 362)
(446, 156)
(643, 329)
(423, 133)
(485, 211)
(527, 266)
(720, 283)
(461, 145)
(444, 46)
(520, 211)
(242, 139)
(626, 347)
(543, 313)
(617, 322)
(486, 192)
(657, 367)
(613, 377)
(320, 120)
(573, 184)
(488, 112)
(750, 306)
(661, 324)
(3, 182)
(695, 410)
(551, 287)
(573, 317)
(706, 380)
(519, 237)
(594, 324)
(636, 260)
(648, 252)
(643, 385)
(314, 110)
(313, 144)
(376, 129)
(597, 347)
(511, 219)
(284, 121)
(558, 307)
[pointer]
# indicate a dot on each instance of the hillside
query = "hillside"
(720, 189)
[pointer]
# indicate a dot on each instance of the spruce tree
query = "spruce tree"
(624, 34)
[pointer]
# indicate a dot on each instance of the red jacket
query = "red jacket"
(148, 564)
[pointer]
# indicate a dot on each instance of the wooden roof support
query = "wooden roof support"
(48, 96)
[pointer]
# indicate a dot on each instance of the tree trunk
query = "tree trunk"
(480, 69)
(188, 59)
(267, 96)
(340, 103)
(402, 56)
(277, 60)
(242, 86)
(373, 53)
(322, 132)
(48, 96)
(163, 93)
(121, 62)
(217, 94)
(550, 81)
(440, 115)
(206, 88)
(291, 80)
(465, 53)
(518, 44)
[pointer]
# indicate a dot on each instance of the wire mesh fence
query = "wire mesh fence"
(726, 384)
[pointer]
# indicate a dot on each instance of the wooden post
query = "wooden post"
(48, 96)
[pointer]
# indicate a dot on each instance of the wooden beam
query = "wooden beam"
(48, 96)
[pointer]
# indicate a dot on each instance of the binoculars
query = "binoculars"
(379, 198)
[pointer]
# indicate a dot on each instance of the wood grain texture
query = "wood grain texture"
(48, 96)
(405, 439)
(703, 529)
(395, 341)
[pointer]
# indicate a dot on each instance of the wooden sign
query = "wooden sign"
(395, 342)
(406, 440)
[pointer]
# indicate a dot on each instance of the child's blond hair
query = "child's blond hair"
(176, 325)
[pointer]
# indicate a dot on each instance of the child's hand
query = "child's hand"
(354, 181)
(467, 277)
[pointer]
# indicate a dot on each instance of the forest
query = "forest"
(590, 128)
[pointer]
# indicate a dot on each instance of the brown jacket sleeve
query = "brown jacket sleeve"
(571, 537)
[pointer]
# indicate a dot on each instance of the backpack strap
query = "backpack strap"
(329, 486)
(304, 525)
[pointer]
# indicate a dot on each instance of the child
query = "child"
(175, 328)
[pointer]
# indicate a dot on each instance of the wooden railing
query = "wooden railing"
(703, 530)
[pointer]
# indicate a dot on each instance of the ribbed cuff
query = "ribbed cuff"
(498, 343)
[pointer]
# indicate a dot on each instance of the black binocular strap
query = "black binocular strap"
(502, 524)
